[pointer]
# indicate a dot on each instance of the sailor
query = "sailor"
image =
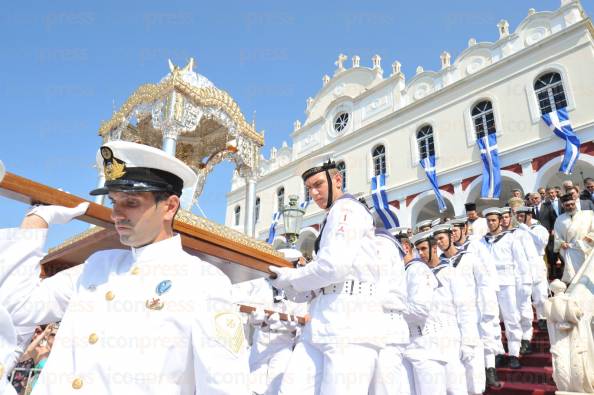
(524, 273)
(476, 257)
(340, 345)
(423, 226)
(393, 374)
(540, 237)
(477, 225)
(506, 254)
(151, 319)
(424, 352)
(457, 304)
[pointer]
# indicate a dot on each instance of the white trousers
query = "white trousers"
(523, 299)
(540, 294)
(393, 373)
(475, 371)
(266, 373)
(506, 296)
(329, 369)
(429, 376)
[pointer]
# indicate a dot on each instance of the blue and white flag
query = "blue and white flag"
(303, 205)
(380, 202)
(491, 172)
(559, 123)
(272, 232)
(429, 165)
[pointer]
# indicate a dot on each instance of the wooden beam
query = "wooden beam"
(283, 316)
(31, 192)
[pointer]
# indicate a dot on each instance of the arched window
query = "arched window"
(483, 119)
(379, 160)
(425, 142)
(237, 212)
(257, 210)
(550, 93)
(341, 167)
(280, 198)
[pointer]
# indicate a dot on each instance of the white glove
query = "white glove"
(293, 323)
(58, 214)
(274, 322)
(283, 277)
(467, 353)
(257, 316)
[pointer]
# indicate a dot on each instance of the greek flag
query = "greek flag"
(380, 202)
(272, 232)
(559, 123)
(429, 165)
(491, 172)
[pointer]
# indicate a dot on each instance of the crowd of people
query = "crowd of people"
(375, 311)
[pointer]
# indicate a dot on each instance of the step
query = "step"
(527, 375)
(537, 359)
(538, 346)
(522, 389)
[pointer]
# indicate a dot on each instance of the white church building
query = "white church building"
(375, 121)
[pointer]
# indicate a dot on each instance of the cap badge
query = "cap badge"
(112, 168)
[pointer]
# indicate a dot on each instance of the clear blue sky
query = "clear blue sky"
(65, 62)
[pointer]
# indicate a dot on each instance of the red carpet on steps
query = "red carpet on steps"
(536, 375)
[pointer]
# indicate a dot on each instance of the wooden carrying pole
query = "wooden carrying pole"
(31, 192)
(283, 316)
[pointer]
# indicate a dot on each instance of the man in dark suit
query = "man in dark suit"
(543, 211)
(588, 192)
(580, 204)
(546, 214)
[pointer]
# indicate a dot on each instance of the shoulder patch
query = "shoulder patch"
(229, 330)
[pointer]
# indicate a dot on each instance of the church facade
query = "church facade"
(376, 121)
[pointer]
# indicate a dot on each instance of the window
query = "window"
(257, 210)
(306, 194)
(379, 160)
(237, 215)
(483, 119)
(425, 142)
(341, 122)
(341, 167)
(550, 93)
(280, 198)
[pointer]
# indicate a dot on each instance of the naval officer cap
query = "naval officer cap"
(458, 221)
(315, 165)
(443, 228)
(132, 167)
(421, 237)
(492, 211)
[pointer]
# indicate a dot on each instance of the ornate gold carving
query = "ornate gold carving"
(207, 97)
(225, 232)
(75, 239)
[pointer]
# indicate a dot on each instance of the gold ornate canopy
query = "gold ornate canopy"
(204, 120)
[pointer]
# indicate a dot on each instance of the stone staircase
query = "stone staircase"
(536, 375)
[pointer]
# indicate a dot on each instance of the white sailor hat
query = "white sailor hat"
(421, 237)
(459, 221)
(443, 228)
(505, 210)
(435, 222)
(423, 224)
(399, 232)
(132, 167)
(525, 209)
(315, 165)
(491, 211)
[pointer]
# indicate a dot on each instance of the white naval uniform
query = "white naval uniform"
(524, 281)
(479, 227)
(110, 342)
(485, 275)
(423, 353)
(393, 374)
(8, 351)
(505, 253)
(339, 347)
(271, 347)
(540, 283)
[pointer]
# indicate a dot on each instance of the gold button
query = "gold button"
(135, 270)
(109, 295)
(93, 338)
(77, 383)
